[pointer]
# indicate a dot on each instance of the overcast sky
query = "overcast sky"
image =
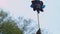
(49, 19)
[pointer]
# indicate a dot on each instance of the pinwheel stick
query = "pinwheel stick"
(39, 30)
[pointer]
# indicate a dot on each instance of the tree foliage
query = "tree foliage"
(28, 26)
(7, 25)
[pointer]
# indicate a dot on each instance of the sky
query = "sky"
(49, 19)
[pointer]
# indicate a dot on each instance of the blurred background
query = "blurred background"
(49, 19)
